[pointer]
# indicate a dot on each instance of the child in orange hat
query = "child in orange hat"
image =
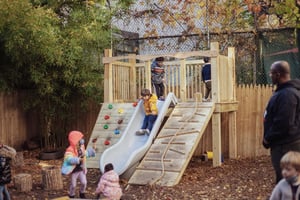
(75, 162)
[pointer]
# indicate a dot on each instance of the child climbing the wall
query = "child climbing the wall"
(109, 184)
(288, 187)
(151, 112)
(7, 153)
(74, 163)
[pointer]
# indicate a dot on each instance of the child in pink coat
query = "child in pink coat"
(109, 184)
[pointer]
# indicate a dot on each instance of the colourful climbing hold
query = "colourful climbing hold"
(110, 106)
(106, 142)
(120, 121)
(106, 117)
(120, 110)
(135, 104)
(105, 126)
(117, 131)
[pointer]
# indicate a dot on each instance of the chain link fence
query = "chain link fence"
(144, 31)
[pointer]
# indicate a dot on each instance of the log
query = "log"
(23, 182)
(52, 178)
(18, 160)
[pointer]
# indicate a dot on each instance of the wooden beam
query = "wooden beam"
(215, 83)
(148, 75)
(232, 115)
(216, 135)
(108, 81)
(232, 135)
(178, 55)
(216, 119)
(226, 107)
(132, 78)
(182, 80)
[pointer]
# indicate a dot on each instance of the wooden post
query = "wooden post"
(23, 182)
(132, 77)
(108, 82)
(232, 115)
(216, 119)
(182, 80)
(148, 75)
(52, 178)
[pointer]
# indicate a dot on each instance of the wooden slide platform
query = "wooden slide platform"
(110, 129)
(169, 155)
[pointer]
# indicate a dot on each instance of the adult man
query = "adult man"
(282, 115)
(206, 77)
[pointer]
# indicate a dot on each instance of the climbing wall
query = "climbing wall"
(110, 124)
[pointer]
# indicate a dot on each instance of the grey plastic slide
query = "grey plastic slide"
(131, 148)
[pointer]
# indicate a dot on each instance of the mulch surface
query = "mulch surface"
(240, 179)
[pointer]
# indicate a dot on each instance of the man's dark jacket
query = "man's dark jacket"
(282, 115)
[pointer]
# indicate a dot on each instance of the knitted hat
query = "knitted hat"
(159, 59)
(6, 151)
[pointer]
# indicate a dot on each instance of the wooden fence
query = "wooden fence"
(18, 125)
(252, 102)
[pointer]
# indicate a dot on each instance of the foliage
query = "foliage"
(53, 49)
(214, 15)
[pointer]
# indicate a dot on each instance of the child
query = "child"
(206, 77)
(75, 162)
(288, 187)
(151, 112)
(109, 184)
(157, 77)
(6, 155)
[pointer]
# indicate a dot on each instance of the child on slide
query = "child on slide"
(151, 112)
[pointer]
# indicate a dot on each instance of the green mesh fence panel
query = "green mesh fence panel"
(279, 45)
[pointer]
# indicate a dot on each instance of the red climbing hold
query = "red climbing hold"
(106, 142)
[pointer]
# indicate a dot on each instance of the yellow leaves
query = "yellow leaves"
(202, 4)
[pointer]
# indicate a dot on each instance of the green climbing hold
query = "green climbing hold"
(110, 106)
(105, 126)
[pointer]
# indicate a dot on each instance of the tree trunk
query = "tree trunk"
(23, 182)
(52, 178)
(18, 161)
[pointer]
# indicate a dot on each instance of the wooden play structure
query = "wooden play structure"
(172, 149)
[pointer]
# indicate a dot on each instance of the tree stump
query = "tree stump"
(18, 161)
(23, 182)
(52, 178)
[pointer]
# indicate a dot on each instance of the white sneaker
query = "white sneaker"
(140, 132)
(147, 132)
(143, 132)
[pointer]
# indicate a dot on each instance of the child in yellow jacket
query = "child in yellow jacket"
(151, 112)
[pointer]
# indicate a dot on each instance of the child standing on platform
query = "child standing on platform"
(157, 77)
(75, 162)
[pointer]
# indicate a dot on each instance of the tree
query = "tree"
(216, 15)
(52, 49)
